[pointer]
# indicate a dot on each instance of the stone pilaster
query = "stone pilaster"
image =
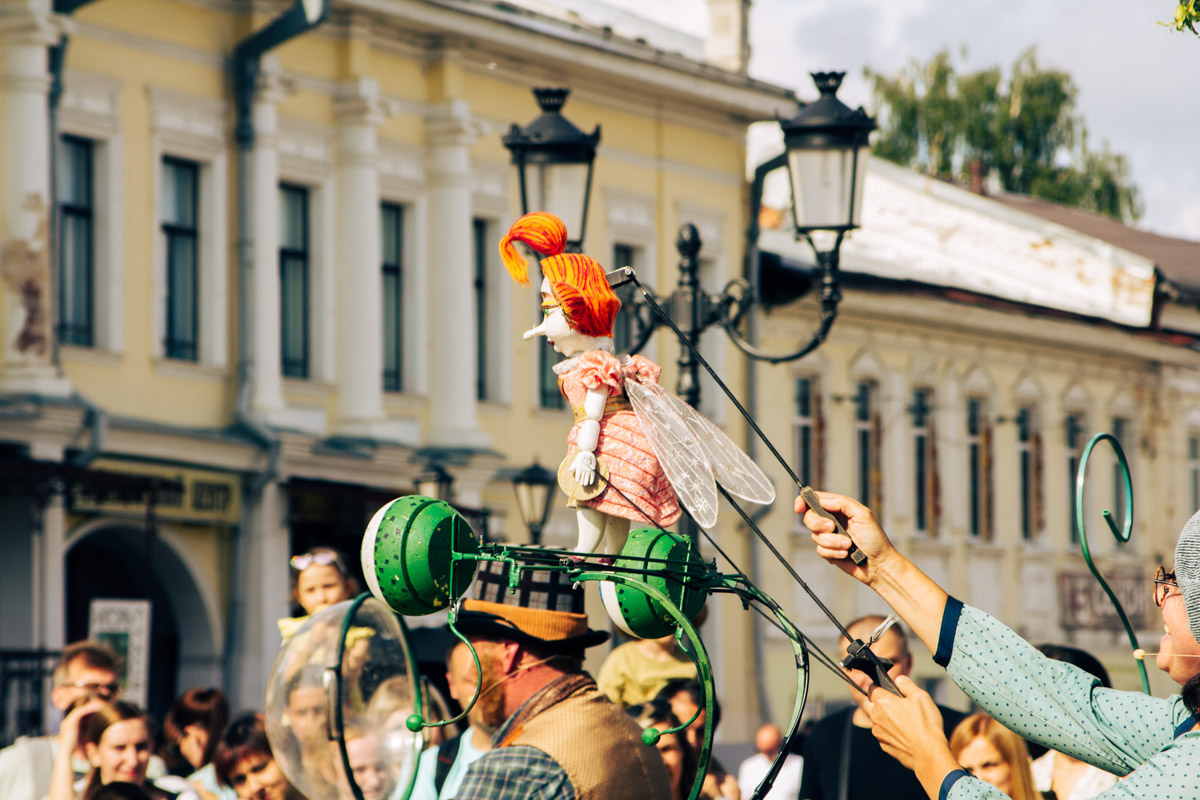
(263, 209)
(359, 316)
(453, 415)
(27, 29)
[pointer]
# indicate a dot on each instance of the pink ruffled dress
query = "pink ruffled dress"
(622, 446)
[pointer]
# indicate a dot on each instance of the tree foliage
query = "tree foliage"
(1022, 130)
(1187, 16)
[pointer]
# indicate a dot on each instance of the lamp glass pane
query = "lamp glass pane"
(559, 189)
(821, 186)
(541, 502)
(860, 182)
(525, 502)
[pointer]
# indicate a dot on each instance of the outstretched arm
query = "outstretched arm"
(910, 592)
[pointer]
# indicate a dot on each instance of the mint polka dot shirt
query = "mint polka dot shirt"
(1148, 739)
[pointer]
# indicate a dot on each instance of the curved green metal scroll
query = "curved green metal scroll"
(1122, 534)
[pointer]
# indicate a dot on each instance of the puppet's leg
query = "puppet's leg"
(591, 529)
(615, 534)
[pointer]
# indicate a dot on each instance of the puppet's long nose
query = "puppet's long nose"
(540, 330)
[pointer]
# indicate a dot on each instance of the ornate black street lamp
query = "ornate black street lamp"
(554, 161)
(826, 154)
(534, 487)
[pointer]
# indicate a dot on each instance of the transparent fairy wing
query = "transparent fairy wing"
(675, 444)
(732, 468)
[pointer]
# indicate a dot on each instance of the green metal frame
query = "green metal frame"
(1122, 534)
(695, 576)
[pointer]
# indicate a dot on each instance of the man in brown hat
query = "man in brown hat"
(557, 735)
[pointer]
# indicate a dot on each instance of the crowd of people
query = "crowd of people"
(541, 727)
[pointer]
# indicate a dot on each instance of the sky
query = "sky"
(1138, 82)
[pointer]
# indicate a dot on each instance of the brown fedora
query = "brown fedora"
(546, 609)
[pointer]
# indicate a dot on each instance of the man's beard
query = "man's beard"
(489, 708)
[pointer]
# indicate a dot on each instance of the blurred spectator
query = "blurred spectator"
(995, 755)
(677, 753)
(320, 579)
(190, 732)
(117, 740)
(768, 742)
(368, 765)
(243, 760)
(635, 672)
(442, 768)
(686, 698)
(119, 790)
(85, 671)
(1069, 778)
(304, 716)
(842, 759)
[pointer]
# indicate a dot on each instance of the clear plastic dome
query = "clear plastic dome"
(337, 701)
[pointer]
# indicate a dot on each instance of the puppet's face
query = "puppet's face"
(558, 332)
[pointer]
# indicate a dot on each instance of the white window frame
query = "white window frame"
(631, 217)
(193, 128)
(489, 202)
(402, 182)
(90, 109)
(923, 432)
(306, 159)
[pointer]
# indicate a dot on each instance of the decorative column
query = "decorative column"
(359, 315)
(260, 590)
(263, 208)
(452, 403)
(26, 31)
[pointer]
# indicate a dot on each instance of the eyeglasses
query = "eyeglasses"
(1164, 585)
(322, 557)
(104, 690)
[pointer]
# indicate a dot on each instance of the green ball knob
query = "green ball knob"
(650, 737)
(408, 555)
(414, 723)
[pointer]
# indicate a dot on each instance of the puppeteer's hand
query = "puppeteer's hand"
(864, 530)
(909, 729)
(584, 468)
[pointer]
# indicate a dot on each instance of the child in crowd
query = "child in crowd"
(320, 579)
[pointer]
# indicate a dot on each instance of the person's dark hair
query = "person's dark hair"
(1191, 695)
(93, 726)
(246, 736)
(694, 690)
(207, 708)
(93, 654)
(1080, 658)
(658, 714)
(118, 790)
(306, 677)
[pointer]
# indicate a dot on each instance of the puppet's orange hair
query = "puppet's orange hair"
(577, 281)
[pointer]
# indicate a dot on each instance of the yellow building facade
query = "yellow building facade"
(199, 377)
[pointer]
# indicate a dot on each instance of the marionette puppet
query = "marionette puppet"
(635, 450)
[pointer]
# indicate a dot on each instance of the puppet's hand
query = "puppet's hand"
(584, 468)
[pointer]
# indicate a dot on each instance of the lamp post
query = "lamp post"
(554, 162)
(534, 487)
(435, 482)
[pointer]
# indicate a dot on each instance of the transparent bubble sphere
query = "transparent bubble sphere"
(337, 701)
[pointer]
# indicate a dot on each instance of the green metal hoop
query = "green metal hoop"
(1122, 534)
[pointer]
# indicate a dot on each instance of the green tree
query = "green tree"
(1023, 130)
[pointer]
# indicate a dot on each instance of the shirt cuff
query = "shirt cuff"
(951, 777)
(950, 617)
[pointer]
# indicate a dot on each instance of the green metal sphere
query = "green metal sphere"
(634, 611)
(407, 554)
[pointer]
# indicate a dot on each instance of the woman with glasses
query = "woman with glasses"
(1155, 742)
